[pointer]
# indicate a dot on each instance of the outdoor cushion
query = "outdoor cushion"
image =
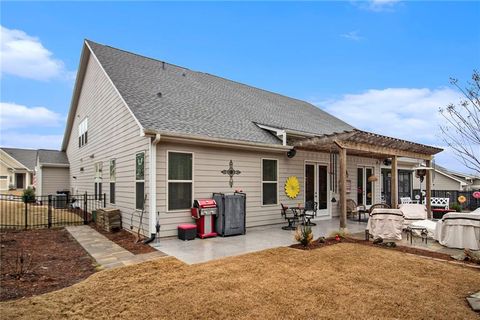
(429, 225)
(187, 226)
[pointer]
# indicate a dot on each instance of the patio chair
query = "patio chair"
(353, 209)
(309, 213)
(406, 200)
(291, 217)
(378, 206)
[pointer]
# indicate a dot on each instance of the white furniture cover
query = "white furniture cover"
(413, 212)
(386, 224)
(459, 230)
(430, 225)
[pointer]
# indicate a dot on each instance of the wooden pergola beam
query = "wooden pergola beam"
(428, 190)
(387, 151)
(343, 187)
(394, 183)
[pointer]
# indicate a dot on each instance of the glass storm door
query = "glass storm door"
(365, 194)
(316, 187)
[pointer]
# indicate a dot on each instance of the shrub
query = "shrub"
(456, 206)
(304, 235)
(28, 195)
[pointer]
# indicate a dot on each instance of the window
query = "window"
(139, 180)
(269, 181)
(3, 177)
(180, 180)
(83, 133)
(98, 180)
(112, 181)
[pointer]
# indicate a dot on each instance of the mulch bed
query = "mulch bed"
(52, 260)
(316, 244)
(125, 240)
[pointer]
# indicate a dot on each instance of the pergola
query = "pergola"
(367, 144)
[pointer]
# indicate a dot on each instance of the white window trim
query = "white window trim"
(330, 193)
(135, 180)
(95, 181)
(179, 181)
(112, 181)
(263, 182)
(82, 129)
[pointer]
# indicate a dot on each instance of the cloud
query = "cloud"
(352, 35)
(376, 5)
(25, 56)
(30, 141)
(406, 113)
(13, 116)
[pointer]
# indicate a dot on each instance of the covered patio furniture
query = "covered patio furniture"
(413, 212)
(386, 224)
(291, 216)
(354, 209)
(310, 212)
(459, 230)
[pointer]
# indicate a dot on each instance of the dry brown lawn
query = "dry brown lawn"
(12, 214)
(344, 281)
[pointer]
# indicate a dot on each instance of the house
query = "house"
(16, 168)
(46, 170)
(52, 172)
(155, 136)
(409, 184)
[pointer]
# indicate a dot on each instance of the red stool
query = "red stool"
(187, 231)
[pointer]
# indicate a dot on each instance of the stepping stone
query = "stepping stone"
(474, 301)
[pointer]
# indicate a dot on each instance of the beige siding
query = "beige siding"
(439, 182)
(54, 179)
(112, 134)
(209, 161)
(5, 177)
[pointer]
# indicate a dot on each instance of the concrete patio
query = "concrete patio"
(256, 239)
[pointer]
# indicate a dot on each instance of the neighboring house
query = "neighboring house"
(52, 172)
(155, 136)
(442, 179)
(16, 168)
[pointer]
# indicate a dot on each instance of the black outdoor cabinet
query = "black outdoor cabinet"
(231, 217)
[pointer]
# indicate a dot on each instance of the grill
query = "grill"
(204, 212)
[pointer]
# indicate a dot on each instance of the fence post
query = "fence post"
(49, 212)
(26, 212)
(85, 208)
(104, 200)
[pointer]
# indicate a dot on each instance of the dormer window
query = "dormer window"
(83, 133)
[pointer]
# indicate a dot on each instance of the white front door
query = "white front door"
(316, 187)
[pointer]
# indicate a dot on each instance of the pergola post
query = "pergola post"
(343, 187)
(394, 182)
(428, 189)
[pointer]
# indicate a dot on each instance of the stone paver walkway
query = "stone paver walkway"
(107, 253)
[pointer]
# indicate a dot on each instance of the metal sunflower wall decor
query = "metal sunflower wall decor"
(292, 187)
(231, 172)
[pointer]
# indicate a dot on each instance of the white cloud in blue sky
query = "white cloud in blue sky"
(406, 113)
(376, 5)
(19, 123)
(352, 35)
(25, 56)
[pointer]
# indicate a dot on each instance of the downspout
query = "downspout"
(152, 187)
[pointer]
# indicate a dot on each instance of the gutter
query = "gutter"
(152, 187)
(185, 138)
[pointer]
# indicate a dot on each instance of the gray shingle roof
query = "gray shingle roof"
(202, 104)
(52, 157)
(27, 157)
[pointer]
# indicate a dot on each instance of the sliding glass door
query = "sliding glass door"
(365, 188)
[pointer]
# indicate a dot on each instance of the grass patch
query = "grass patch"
(346, 281)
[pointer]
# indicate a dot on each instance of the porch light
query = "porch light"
(421, 171)
(333, 199)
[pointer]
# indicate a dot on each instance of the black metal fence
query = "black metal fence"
(471, 203)
(17, 212)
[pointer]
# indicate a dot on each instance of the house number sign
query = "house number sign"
(231, 172)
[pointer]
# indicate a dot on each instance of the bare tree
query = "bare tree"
(461, 131)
